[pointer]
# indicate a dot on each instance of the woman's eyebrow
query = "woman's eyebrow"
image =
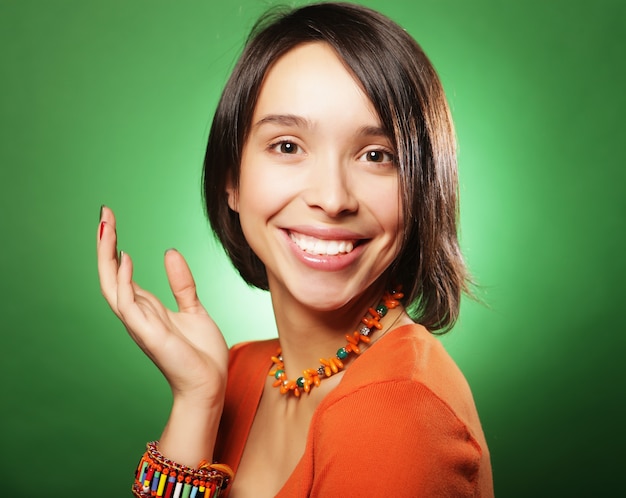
(373, 131)
(284, 120)
(294, 120)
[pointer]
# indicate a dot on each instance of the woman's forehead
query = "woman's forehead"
(310, 83)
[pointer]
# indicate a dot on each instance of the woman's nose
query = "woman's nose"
(329, 188)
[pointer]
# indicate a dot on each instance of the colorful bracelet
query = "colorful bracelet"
(159, 476)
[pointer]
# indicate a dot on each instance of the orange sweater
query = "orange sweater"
(423, 437)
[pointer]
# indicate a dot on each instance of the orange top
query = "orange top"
(421, 434)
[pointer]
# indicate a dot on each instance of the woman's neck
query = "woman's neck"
(306, 334)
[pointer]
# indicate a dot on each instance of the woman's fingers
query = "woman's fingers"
(125, 292)
(132, 308)
(107, 256)
(181, 282)
(131, 299)
(178, 343)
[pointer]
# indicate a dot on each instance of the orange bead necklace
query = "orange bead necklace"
(312, 377)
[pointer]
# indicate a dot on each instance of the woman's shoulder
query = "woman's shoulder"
(409, 394)
(410, 365)
(408, 353)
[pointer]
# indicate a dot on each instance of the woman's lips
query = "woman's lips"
(313, 245)
(326, 250)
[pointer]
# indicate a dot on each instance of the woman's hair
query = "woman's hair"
(406, 92)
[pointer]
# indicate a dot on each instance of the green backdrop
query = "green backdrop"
(109, 101)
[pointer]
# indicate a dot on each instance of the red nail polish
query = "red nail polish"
(101, 229)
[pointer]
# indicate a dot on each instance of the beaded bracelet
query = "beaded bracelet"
(159, 476)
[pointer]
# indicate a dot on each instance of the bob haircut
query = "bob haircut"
(406, 92)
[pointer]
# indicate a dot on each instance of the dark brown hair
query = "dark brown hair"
(407, 94)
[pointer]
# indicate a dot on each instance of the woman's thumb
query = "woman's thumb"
(181, 282)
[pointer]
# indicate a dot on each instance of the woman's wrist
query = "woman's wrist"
(191, 430)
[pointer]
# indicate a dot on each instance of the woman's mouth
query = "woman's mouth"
(313, 245)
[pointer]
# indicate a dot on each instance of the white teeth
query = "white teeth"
(333, 248)
(318, 246)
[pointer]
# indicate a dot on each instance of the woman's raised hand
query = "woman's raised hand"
(185, 345)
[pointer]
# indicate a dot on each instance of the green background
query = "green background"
(109, 101)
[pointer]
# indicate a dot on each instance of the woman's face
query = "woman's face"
(318, 192)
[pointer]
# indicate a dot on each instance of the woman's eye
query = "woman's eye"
(378, 156)
(285, 148)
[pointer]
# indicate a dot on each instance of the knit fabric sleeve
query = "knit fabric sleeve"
(394, 438)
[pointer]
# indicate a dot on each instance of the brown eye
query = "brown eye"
(377, 156)
(285, 147)
(288, 148)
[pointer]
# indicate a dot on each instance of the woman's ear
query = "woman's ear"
(233, 195)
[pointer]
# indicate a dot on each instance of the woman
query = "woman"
(330, 179)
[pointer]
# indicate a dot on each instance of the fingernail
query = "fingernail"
(170, 249)
(101, 209)
(121, 257)
(102, 223)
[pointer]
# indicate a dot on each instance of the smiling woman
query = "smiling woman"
(319, 194)
(411, 112)
(330, 179)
